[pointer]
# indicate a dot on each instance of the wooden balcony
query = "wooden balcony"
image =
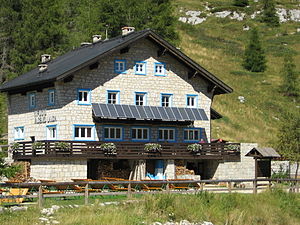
(124, 150)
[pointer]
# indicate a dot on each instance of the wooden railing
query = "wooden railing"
(124, 150)
(37, 190)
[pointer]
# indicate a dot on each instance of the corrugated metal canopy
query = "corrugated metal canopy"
(115, 111)
(263, 153)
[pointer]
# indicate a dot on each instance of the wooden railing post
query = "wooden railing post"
(168, 187)
(129, 192)
(229, 186)
(86, 194)
(201, 186)
(40, 195)
(254, 186)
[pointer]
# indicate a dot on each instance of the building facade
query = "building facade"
(131, 90)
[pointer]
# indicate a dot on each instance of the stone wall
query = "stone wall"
(59, 170)
(67, 112)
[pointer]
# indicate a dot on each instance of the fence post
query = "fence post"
(129, 195)
(86, 194)
(254, 186)
(40, 195)
(168, 187)
(229, 186)
(201, 186)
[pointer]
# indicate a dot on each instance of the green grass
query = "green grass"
(274, 207)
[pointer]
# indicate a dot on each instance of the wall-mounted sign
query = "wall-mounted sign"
(40, 116)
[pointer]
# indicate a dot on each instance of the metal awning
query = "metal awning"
(263, 153)
(116, 111)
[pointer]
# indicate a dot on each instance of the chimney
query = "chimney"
(97, 38)
(127, 30)
(83, 44)
(43, 67)
(45, 58)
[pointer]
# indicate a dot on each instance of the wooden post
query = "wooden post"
(86, 194)
(229, 186)
(168, 187)
(254, 186)
(129, 194)
(201, 186)
(255, 177)
(40, 195)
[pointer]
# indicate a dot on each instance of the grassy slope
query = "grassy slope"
(218, 45)
(233, 209)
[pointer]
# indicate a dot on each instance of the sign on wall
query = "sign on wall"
(40, 116)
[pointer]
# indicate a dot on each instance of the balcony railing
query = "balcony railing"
(124, 150)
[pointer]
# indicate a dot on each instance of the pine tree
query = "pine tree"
(290, 78)
(241, 3)
(269, 15)
(254, 59)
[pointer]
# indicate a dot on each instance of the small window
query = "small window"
(140, 98)
(191, 101)
(140, 134)
(166, 100)
(160, 69)
(192, 135)
(19, 133)
(166, 134)
(83, 132)
(120, 66)
(140, 68)
(113, 97)
(113, 133)
(84, 97)
(51, 132)
(32, 100)
(51, 97)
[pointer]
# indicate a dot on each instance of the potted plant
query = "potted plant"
(109, 148)
(63, 146)
(233, 148)
(194, 148)
(14, 146)
(152, 147)
(37, 145)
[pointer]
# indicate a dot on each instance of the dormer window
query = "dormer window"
(32, 100)
(84, 97)
(140, 68)
(159, 69)
(120, 66)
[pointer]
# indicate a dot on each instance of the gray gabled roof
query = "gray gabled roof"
(64, 65)
(263, 153)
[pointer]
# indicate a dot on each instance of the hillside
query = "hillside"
(218, 45)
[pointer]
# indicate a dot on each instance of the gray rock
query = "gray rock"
(18, 208)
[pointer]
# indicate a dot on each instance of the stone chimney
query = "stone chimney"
(97, 38)
(45, 58)
(127, 30)
(43, 67)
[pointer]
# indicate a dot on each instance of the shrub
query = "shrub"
(62, 145)
(241, 3)
(37, 145)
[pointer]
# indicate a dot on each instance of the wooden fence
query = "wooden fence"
(37, 190)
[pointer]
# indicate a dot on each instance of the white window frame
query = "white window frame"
(140, 68)
(19, 133)
(117, 99)
(88, 97)
(120, 66)
(49, 132)
(191, 134)
(139, 101)
(32, 100)
(166, 130)
(190, 98)
(113, 130)
(160, 69)
(136, 130)
(80, 131)
(164, 103)
(51, 97)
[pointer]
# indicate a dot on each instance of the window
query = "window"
(140, 134)
(166, 100)
(84, 132)
(51, 132)
(19, 133)
(166, 134)
(113, 133)
(192, 134)
(113, 97)
(140, 98)
(159, 69)
(140, 68)
(32, 100)
(51, 97)
(191, 101)
(84, 97)
(120, 66)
